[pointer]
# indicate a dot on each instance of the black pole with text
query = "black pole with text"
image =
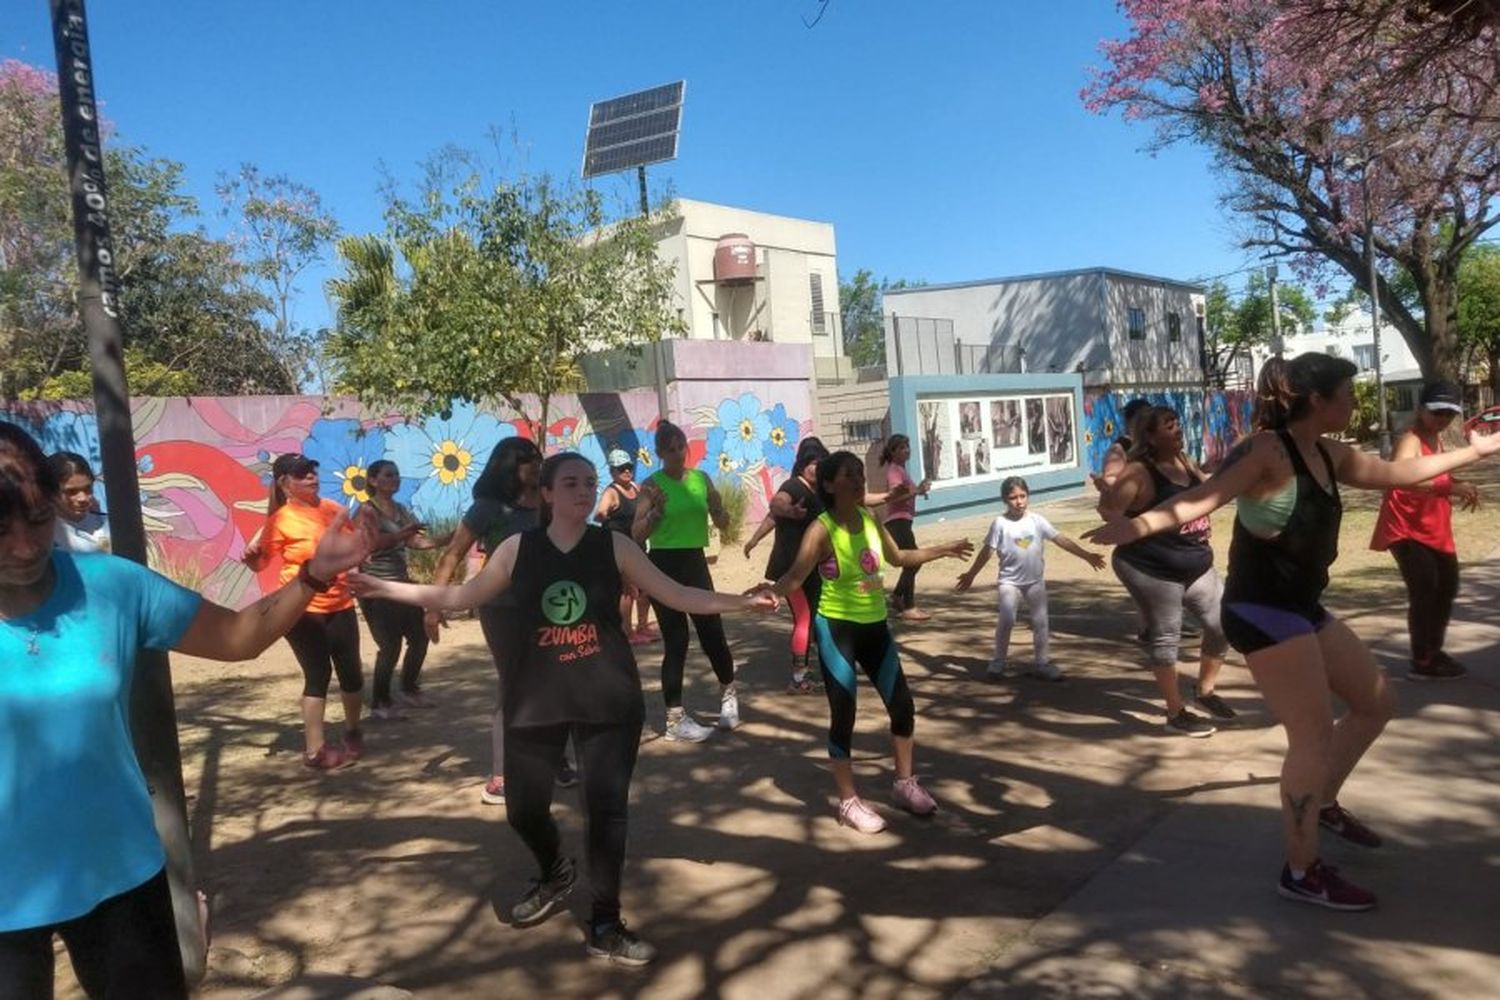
(153, 717)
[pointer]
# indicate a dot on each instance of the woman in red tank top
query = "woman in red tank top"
(1416, 526)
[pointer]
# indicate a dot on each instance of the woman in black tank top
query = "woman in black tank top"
(1288, 474)
(571, 672)
(616, 511)
(1166, 571)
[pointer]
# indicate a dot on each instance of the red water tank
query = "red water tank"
(734, 260)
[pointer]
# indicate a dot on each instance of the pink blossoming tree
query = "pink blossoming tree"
(1333, 121)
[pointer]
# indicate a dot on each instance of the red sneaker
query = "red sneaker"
(326, 759)
(1321, 885)
(1344, 823)
(354, 745)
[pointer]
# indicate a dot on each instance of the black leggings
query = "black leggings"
(606, 760)
(323, 644)
(690, 568)
(1431, 586)
(905, 592)
(125, 947)
(392, 623)
(841, 645)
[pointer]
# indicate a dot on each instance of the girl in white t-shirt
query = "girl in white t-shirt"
(1019, 537)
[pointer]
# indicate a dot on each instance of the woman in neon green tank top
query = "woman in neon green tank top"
(671, 517)
(850, 547)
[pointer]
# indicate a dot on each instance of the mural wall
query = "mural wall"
(1211, 421)
(204, 462)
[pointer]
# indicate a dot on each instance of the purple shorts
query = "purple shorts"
(1253, 627)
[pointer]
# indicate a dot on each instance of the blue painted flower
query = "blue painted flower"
(440, 458)
(781, 442)
(718, 459)
(343, 450)
(745, 428)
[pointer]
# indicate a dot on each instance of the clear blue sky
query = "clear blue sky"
(945, 142)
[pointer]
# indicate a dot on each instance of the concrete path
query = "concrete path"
(1190, 909)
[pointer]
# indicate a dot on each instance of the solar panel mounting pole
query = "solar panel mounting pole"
(640, 175)
(153, 719)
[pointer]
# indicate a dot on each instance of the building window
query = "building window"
(1364, 356)
(815, 288)
(1136, 328)
(862, 430)
(1174, 327)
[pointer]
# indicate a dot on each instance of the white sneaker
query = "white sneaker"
(995, 671)
(729, 712)
(1047, 671)
(686, 729)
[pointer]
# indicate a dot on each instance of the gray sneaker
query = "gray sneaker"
(1186, 723)
(686, 729)
(995, 671)
(545, 894)
(620, 946)
(1047, 671)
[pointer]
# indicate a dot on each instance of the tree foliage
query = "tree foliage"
(1333, 119)
(188, 317)
(1479, 307)
(863, 301)
(1234, 328)
(485, 290)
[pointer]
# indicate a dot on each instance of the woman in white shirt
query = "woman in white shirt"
(81, 527)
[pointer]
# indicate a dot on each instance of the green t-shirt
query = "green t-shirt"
(685, 521)
(853, 587)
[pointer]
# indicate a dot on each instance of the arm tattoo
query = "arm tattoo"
(1236, 455)
(1298, 805)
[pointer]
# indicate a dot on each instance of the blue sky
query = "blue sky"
(946, 142)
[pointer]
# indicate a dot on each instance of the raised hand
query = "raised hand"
(1484, 444)
(1095, 560)
(961, 549)
(1467, 494)
(347, 543)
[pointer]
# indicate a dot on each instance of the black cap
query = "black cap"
(1442, 396)
(292, 464)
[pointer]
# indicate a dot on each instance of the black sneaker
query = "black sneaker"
(1342, 822)
(1321, 885)
(1217, 707)
(1188, 723)
(545, 893)
(566, 776)
(618, 944)
(1440, 668)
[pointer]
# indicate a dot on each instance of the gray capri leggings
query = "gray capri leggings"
(1161, 603)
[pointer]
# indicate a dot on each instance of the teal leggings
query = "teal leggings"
(841, 645)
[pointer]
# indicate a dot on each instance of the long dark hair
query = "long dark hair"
(28, 484)
(666, 433)
(891, 444)
(829, 468)
(548, 476)
(501, 478)
(1284, 391)
(1140, 450)
(67, 464)
(810, 450)
(290, 464)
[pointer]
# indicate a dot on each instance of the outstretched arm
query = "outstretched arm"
(649, 511)
(815, 547)
(486, 585)
(966, 578)
(1130, 490)
(1244, 466)
(766, 526)
(906, 558)
(1356, 468)
(716, 512)
(1067, 544)
(643, 573)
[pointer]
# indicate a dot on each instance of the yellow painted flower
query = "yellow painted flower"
(643, 457)
(450, 462)
(726, 464)
(1109, 428)
(778, 436)
(352, 479)
(1088, 437)
(747, 430)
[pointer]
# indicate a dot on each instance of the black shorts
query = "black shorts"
(1251, 627)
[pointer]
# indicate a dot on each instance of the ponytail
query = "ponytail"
(1284, 391)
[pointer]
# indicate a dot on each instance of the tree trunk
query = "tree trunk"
(1440, 306)
(1492, 356)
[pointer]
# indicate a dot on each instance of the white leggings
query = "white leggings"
(1036, 603)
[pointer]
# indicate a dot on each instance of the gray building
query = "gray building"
(1115, 327)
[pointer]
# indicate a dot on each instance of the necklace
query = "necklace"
(32, 649)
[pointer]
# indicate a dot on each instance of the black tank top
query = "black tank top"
(623, 516)
(1181, 556)
(567, 658)
(1291, 570)
(789, 530)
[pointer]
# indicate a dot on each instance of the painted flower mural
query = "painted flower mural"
(745, 427)
(783, 438)
(719, 454)
(343, 450)
(440, 458)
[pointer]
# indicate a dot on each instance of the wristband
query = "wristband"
(304, 575)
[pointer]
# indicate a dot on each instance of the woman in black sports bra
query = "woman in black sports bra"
(570, 671)
(1286, 477)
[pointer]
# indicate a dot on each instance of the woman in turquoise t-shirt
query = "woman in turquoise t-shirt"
(850, 549)
(79, 854)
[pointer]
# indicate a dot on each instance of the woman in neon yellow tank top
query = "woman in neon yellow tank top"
(671, 517)
(850, 547)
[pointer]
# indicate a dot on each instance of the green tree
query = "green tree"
(1479, 307)
(1235, 328)
(863, 318)
(282, 229)
(184, 306)
(490, 290)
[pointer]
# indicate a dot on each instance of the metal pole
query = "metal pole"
(1384, 437)
(1276, 345)
(153, 719)
(640, 176)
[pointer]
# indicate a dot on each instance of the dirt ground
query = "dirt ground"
(393, 871)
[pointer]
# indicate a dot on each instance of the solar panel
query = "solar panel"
(633, 130)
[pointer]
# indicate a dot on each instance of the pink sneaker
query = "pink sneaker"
(853, 812)
(326, 759)
(638, 638)
(912, 797)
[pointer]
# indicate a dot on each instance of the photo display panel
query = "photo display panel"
(966, 439)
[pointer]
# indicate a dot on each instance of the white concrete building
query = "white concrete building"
(1352, 338)
(793, 296)
(1115, 327)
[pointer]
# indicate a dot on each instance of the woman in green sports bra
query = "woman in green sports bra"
(850, 547)
(1287, 477)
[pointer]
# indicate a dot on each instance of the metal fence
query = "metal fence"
(919, 345)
